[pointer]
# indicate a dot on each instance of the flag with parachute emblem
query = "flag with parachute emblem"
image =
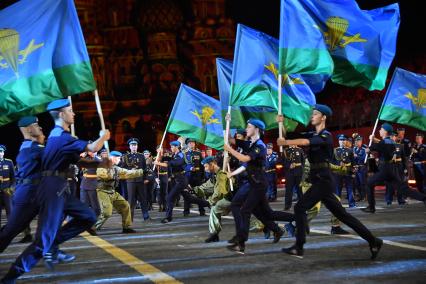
(196, 115)
(405, 102)
(240, 115)
(337, 38)
(43, 56)
(255, 77)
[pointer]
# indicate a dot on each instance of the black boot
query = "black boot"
(294, 251)
(11, 276)
(277, 236)
(238, 247)
(26, 239)
(128, 231)
(369, 209)
(233, 240)
(338, 231)
(375, 248)
(212, 238)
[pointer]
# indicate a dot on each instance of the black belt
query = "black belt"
(317, 166)
(64, 175)
(31, 181)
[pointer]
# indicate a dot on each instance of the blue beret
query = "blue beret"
(175, 143)
(58, 104)
(26, 121)
(323, 109)
(386, 126)
(207, 160)
(2, 148)
(115, 154)
(342, 137)
(133, 141)
(257, 122)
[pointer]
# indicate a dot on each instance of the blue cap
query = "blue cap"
(257, 123)
(115, 154)
(342, 137)
(326, 110)
(207, 160)
(2, 148)
(386, 126)
(133, 141)
(26, 121)
(58, 104)
(175, 143)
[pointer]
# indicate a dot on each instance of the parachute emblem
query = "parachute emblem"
(206, 116)
(420, 101)
(335, 35)
(10, 55)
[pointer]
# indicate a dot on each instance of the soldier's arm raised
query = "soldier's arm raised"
(126, 174)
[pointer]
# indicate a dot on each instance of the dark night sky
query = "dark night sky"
(264, 16)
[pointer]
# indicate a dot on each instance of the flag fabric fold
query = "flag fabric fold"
(255, 77)
(405, 102)
(43, 56)
(198, 116)
(337, 38)
(240, 115)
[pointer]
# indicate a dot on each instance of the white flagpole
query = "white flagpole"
(280, 109)
(161, 146)
(225, 137)
(378, 115)
(101, 116)
(72, 125)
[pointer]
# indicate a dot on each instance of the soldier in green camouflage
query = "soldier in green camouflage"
(109, 198)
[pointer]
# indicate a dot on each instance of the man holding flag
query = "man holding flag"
(320, 155)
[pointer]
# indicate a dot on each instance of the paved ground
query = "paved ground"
(176, 252)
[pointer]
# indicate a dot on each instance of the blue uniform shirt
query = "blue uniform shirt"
(177, 164)
(7, 174)
(320, 147)
(61, 150)
(385, 148)
(359, 155)
(28, 160)
(271, 161)
(256, 165)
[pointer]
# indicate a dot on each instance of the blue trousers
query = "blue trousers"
(361, 181)
(252, 199)
(272, 185)
(54, 203)
(23, 212)
(348, 181)
(179, 184)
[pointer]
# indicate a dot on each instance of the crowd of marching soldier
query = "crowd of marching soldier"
(47, 179)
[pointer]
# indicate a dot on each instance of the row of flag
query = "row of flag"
(43, 57)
